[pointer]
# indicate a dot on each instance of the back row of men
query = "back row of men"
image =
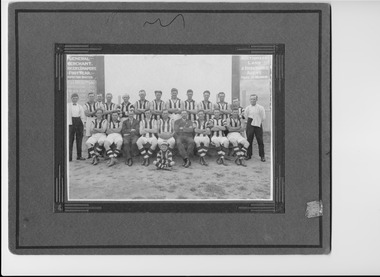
(158, 118)
(174, 105)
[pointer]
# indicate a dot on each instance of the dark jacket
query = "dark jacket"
(186, 124)
(127, 127)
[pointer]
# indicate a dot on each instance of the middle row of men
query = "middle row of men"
(149, 132)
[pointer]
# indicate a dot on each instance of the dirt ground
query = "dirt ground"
(121, 182)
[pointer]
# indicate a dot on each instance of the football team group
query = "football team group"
(190, 127)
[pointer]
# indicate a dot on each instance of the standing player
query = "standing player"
(236, 105)
(174, 105)
(201, 139)
(109, 107)
(224, 107)
(130, 133)
(255, 115)
(89, 111)
(99, 101)
(141, 105)
(190, 106)
(147, 143)
(235, 126)
(166, 130)
(113, 137)
(98, 135)
(206, 105)
(75, 119)
(125, 107)
(218, 126)
(157, 105)
(184, 138)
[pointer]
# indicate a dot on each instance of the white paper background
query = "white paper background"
(356, 178)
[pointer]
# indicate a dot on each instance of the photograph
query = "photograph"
(144, 127)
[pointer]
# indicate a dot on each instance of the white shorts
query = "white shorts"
(170, 141)
(205, 140)
(97, 138)
(88, 125)
(236, 138)
(114, 138)
(144, 140)
(218, 141)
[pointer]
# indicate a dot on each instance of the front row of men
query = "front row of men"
(132, 133)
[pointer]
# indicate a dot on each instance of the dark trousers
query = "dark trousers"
(76, 132)
(182, 142)
(129, 146)
(253, 131)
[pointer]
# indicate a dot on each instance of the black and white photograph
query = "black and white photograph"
(169, 127)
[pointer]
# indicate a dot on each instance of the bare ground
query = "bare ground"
(121, 182)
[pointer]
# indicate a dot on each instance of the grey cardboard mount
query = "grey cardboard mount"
(34, 29)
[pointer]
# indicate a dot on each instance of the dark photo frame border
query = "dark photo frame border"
(276, 205)
(57, 237)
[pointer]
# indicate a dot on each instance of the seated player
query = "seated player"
(166, 130)
(98, 130)
(184, 138)
(147, 143)
(236, 105)
(164, 158)
(113, 137)
(201, 139)
(130, 133)
(236, 126)
(218, 126)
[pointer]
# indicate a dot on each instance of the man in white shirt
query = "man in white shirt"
(255, 115)
(75, 119)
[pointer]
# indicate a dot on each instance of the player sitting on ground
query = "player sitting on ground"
(113, 137)
(164, 158)
(201, 139)
(218, 127)
(236, 126)
(147, 143)
(98, 130)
